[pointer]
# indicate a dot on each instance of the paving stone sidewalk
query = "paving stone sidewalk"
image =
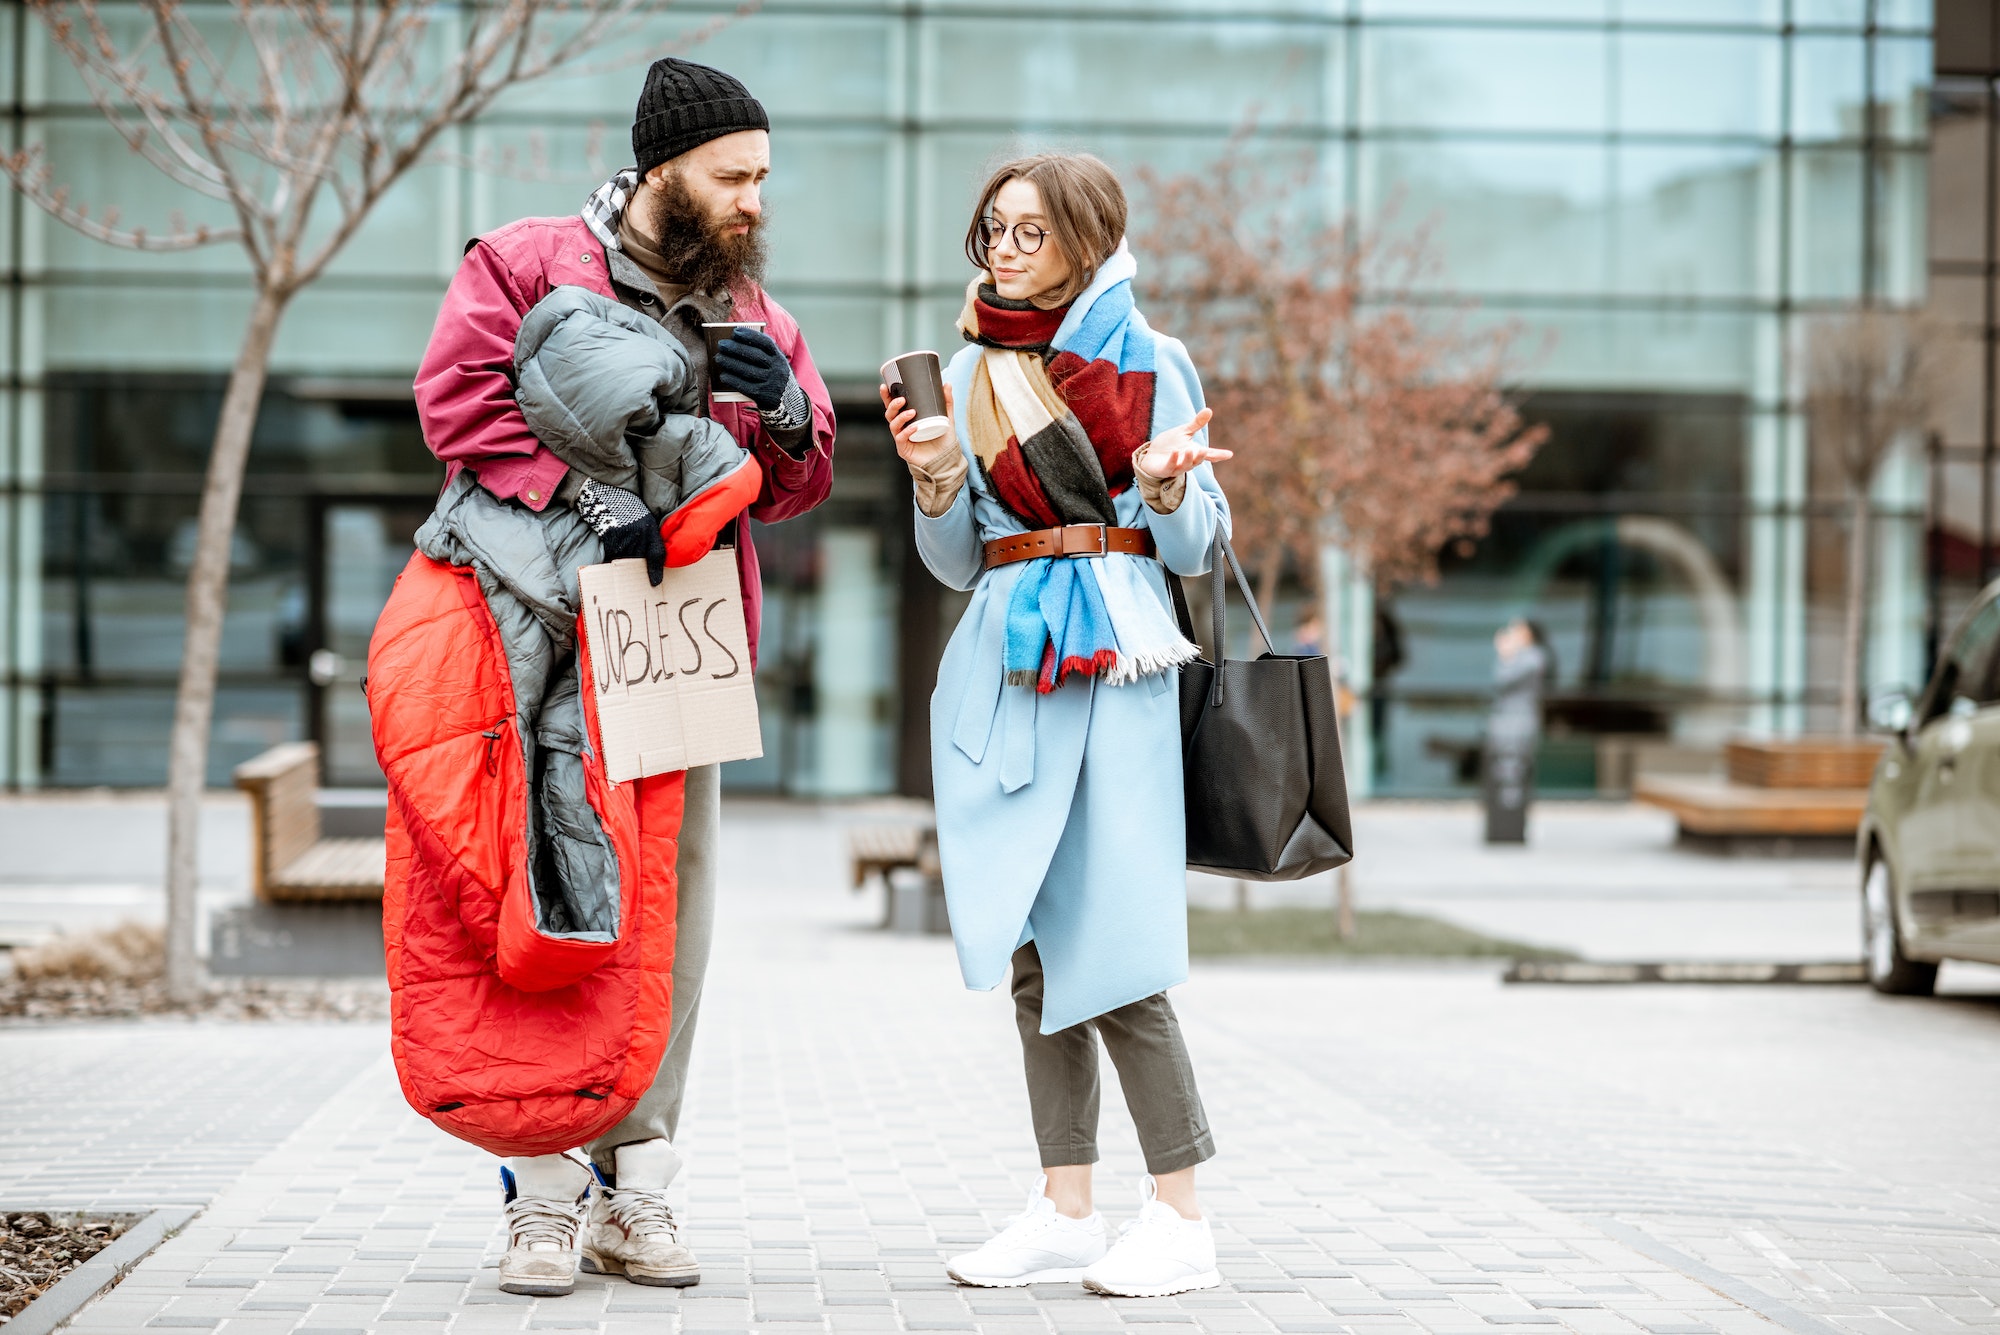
(1401, 1150)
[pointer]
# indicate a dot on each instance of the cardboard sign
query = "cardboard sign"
(670, 665)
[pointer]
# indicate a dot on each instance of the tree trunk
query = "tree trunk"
(207, 599)
(1857, 616)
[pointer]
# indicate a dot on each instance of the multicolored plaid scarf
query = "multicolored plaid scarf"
(1057, 453)
(1054, 429)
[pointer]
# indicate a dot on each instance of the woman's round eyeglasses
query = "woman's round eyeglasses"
(1028, 238)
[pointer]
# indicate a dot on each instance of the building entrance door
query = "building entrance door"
(357, 547)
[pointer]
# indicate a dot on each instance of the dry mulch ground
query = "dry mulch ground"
(37, 1249)
(119, 974)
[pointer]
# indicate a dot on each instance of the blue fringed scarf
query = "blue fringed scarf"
(1057, 625)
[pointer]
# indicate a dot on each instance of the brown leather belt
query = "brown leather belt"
(1073, 540)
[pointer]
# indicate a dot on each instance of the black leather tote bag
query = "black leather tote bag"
(1260, 751)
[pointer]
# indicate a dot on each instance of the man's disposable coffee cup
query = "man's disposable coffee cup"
(715, 334)
(917, 378)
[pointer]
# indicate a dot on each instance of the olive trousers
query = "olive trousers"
(1144, 1039)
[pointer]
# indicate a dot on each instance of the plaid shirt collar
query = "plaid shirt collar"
(606, 206)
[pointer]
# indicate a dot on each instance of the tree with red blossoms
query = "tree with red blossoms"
(1357, 415)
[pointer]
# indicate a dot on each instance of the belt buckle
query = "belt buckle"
(1103, 541)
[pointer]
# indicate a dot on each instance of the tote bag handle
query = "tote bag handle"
(1220, 552)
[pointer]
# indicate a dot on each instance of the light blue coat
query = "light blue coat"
(1060, 816)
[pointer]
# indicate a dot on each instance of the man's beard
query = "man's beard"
(700, 252)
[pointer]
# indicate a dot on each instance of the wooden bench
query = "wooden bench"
(1718, 807)
(878, 850)
(1784, 789)
(290, 861)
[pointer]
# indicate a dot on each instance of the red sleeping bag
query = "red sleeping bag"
(519, 1042)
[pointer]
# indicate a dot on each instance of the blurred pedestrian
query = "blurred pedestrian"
(1514, 728)
(675, 241)
(1055, 726)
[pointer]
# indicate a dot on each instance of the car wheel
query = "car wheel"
(1889, 970)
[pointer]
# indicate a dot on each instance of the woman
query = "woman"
(1079, 466)
(1522, 665)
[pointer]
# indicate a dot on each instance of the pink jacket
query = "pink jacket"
(465, 386)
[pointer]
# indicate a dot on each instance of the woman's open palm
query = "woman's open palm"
(1175, 450)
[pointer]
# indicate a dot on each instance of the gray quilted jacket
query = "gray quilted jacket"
(614, 396)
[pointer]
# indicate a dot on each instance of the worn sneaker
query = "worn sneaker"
(545, 1204)
(632, 1230)
(1157, 1254)
(1038, 1246)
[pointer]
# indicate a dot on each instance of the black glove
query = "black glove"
(749, 363)
(628, 530)
(638, 540)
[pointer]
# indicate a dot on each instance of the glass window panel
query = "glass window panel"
(87, 156)
(1904, 13)
(1166, 73)
(124, 557)
(1698, 83)
(359, 330)
(1585, 10)
(1509, 218)
(405, 232)
(130, 29)
(848, 336)
(796, 65)
(828, 201)
(1683, 348)
(1692, 222)
(953, 166)
(1830, 13)
(1902, 193)
(1702, 11)
(116, 736)
(1483, 79)
(534, 171)
(1826, 229)
(1903, 76)
(1200, 8)
(1828, 87)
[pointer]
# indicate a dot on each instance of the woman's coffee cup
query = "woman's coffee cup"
(715, 334)
(917, 378)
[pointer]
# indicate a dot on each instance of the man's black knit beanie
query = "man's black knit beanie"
(684, 105)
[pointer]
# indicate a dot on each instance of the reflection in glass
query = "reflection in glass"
(1508, 218)
(1165, 73)
(1903, 80)
(1689, 222)
(1698, 83)
(1828, 87)
(1483, 79)
(1769, 12)
(1826, 226)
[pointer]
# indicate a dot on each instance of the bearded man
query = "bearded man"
(678, 236)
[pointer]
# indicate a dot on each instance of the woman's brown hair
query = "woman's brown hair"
(1085, 207)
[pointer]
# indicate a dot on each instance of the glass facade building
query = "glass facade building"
(1667, 190)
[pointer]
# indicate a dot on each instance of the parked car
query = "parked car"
(1929, 841)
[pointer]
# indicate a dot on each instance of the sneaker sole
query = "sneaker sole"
(672, 1279)
(528, 1288)
(1018, 1281)
(1206, 1280)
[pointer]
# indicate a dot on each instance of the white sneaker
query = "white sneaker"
(1158, 1254)
(632, 1230)
(1038, 1246)
(545, 1196)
